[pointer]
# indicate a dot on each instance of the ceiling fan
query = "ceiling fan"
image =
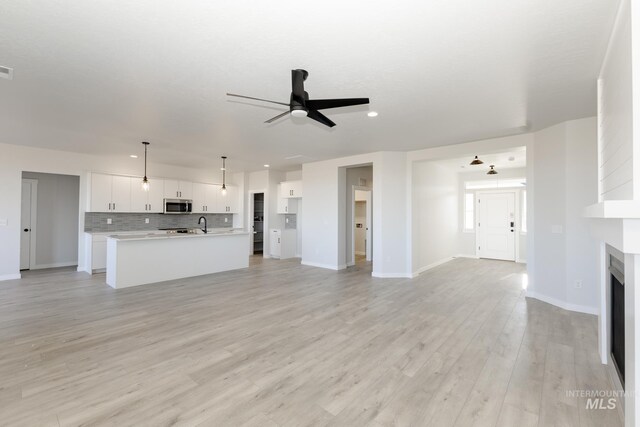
(301, 106)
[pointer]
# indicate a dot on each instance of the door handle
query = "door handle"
(512, 224)
(26, 230)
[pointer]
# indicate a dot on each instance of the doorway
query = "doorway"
(361, 225)
(49, 220)
(28, 223)
(496, 230)
(257, 223)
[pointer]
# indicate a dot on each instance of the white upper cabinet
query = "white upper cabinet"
(291, 189)
(110, 193)
(147, 201)
(204, 198)
(285, 204)
(174, 189)
(227, 203)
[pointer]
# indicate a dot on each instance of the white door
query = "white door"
(367, 243)
(27, 211)
(496, 226)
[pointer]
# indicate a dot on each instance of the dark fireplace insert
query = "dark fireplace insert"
(617, 316)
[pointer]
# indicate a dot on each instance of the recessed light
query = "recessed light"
(266, 166)
(372, 114)
(133, 156)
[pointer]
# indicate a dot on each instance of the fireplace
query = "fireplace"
(616, 268)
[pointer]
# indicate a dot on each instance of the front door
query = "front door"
(496, 226)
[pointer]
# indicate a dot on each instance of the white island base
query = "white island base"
(138, 260)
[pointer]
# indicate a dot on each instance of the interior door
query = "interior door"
(25, 226)
(367, 243)
(496, 226)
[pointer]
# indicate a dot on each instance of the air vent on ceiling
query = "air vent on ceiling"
(6, 73)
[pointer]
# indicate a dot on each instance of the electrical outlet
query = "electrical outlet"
(577, 284)
(286, 220)
(146, 220)
(226, 219)
(108, 220)
(3, 222)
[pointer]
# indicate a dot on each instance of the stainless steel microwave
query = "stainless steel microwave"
(177, 206)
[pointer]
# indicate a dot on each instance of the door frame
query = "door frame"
(34, 220)
(516, 214)
(369, 232)
(250, 219)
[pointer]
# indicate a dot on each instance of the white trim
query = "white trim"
(521, 261)
(432, 265)
(33, 222)
(54, 265)
(562, 304)
(393, 275)
(466, 256)
(10, 277)
(319, 265)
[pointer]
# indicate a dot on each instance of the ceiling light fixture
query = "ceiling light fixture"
(476, 161)
(145, 180)
(224, 175)
(133, 156)
(372, 114)
(492, 171)
(266, 166)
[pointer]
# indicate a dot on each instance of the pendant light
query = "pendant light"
(145, 180)
(492, 171)
(476, 161)
(224, 172)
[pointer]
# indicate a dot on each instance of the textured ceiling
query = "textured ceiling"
(101, 76)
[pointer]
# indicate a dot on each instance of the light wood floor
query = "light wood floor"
(280, 344)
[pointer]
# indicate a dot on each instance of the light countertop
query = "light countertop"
(157, 235)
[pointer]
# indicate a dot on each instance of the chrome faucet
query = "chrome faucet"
(205, 224)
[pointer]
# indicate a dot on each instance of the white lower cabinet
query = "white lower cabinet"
(282, 243)
(96, 246)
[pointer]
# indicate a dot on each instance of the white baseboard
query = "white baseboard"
(351, 264)
(562, 304)
(430, 266)
(392, 275)
(54, 265)
(10, 276)
(521, 261)
(467, 256)
(319, 265)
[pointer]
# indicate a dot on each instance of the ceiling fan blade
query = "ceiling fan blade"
(257, 99)
(323, 104)
(273, 119)
(319, 117)
(297, 84)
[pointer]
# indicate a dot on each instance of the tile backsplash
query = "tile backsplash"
(97, 222)
(290, 222)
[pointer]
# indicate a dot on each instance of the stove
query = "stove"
(179, 230)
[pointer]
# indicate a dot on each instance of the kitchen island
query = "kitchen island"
(134, 259)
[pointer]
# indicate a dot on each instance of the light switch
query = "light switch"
(108, 220)
(3, 222)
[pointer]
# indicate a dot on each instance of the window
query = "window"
(523, 221)
(469, 205)
(490, 184)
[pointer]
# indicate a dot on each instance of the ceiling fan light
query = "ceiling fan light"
(476, 161)
(299, 113)
(492, 171)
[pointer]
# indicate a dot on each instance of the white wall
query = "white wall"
(15, 159)
(565, 174)
(615, 114)
(56, 227)
(435, 214)
(324, 212)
